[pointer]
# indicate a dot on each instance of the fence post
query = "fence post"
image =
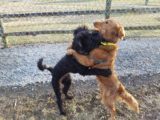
(146, 2)
(4, 40)
(108, 8)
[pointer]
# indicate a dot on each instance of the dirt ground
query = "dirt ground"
(37, 102)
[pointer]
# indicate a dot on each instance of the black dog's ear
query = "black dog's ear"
(80, 44)
(80, 29)
(81, 40)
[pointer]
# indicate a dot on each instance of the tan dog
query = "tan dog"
(111, 88)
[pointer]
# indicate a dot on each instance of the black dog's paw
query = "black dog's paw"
(108, 72)
(63, 113)
(69, 97)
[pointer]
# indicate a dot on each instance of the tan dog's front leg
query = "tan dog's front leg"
(106, 64)
(70, 46)
(101, 65)
(82, 59)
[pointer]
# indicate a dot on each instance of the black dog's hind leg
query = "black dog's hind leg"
(66, 81)
(56, 88)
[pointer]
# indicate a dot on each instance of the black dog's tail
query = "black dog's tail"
(42, 66)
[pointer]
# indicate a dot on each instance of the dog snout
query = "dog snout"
(95, 24)
(124, 39)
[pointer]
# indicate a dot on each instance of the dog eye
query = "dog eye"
(114, 34)
(106, 22)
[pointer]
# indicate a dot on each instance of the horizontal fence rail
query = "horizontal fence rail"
(34, 33)
(153, 27)
(86, 12)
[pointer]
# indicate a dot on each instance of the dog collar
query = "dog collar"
(108, 45)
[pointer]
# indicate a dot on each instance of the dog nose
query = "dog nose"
(124, 39)
(94, 23)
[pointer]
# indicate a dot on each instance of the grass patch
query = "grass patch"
(57, 38)
(68, 5)
(34, 102)
(143, 33)
(70, 22)
(54, 38)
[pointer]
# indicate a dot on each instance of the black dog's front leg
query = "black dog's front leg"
(56, 88)
(96, 71)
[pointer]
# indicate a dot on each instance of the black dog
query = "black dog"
(84, 41)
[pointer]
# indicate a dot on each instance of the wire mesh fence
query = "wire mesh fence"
(30, 21)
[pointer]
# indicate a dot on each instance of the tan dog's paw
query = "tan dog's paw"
(70, 51)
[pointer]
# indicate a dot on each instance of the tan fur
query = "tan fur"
(111, 89)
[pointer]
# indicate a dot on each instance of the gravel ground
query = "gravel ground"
(18, 64)
(26, 94)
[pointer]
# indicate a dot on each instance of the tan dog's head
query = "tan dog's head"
(110, 29)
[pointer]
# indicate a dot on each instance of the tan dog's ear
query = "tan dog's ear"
(121, 33)
(97, 25)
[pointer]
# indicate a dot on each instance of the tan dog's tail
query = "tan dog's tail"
(128, 99)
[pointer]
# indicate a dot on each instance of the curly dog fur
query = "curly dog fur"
(111, 89)
(68, 64)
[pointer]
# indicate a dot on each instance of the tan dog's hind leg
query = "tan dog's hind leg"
(113, 112)
(128, 99)
(108, 99)
(111, 105)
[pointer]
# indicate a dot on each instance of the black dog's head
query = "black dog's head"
(84, 40)
(81, 40)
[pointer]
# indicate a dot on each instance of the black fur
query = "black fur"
(84, 41)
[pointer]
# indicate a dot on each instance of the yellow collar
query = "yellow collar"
(107, 44)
